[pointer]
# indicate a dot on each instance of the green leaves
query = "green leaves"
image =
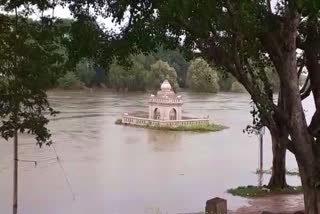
(132, 78)
(201, 77)
(28, 61)
(161, 71)
(86, 72)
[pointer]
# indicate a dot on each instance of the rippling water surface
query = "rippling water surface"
(120, 170)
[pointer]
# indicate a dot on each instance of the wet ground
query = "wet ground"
(117, 170)
(276, 204)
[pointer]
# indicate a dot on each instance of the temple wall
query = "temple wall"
(130, 120)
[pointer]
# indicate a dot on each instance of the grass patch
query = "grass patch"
(254, 191)
(118, 121)
(195, 128)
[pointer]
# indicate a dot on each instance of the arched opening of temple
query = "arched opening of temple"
(173, 114)
(156, 114)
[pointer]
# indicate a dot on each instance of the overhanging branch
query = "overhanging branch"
(305, 91)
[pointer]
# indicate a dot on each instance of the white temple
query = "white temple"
(166, 105)
(165, 110)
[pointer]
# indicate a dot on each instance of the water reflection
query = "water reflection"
(164, 140)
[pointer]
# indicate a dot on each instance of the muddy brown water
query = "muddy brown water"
(118, 170)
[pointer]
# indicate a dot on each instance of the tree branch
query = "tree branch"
(299, 43)
(126, 31)
(302, 64)
(305, 85)
(314, 127)
(269, 6)
(290, 147)
(306, 89)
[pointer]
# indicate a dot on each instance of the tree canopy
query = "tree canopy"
(29, 60)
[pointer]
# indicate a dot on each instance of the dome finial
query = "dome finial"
(165, 86)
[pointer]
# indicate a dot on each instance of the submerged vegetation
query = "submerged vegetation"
(288, 172)
(255, 191)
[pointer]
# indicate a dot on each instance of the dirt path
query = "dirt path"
(275, 204)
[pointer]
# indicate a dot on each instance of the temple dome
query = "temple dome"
(165, 86)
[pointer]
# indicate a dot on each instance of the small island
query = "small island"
(165, 113)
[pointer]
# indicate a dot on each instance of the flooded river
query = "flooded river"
(124, 170)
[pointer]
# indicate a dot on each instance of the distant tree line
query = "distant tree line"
(147, 72)
(87, 63)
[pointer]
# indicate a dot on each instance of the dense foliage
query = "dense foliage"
(29, 60)
(86, 72)
(201, 77)
(132, 78)
(69, 81)
(161, 71)
(176, 60)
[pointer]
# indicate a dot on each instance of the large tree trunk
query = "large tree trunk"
(281, 46)
(278, 176)
(310, 169)
(306, 150)
(279, 137)
(311, 193)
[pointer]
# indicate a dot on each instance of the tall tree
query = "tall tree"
(243, 37)
(28, 58)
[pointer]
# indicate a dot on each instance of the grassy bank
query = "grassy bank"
(195, 128)
(254, 191)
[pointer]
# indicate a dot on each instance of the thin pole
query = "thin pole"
(15, 137)
(261, 153)
(15, 172)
